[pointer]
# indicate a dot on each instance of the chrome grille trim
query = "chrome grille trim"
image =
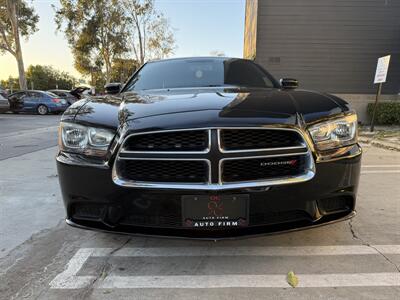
(222, 150)
(309, 171)
(220, 166)
(207, 150)
(161, 184)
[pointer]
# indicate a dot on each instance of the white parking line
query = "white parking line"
(251, 281)
(381, 172)
(68, 279)
(380, 166)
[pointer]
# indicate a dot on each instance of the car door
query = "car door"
(31, 101)
(17, 101)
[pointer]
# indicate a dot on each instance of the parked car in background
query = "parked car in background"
(37, 101)
(3, 92)
(64, 94)
(4, 105)
(80, 91)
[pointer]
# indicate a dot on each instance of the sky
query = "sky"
(200, 26)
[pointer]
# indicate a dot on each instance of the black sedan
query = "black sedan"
(208, 148)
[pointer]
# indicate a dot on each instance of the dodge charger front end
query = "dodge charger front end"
(208, 148)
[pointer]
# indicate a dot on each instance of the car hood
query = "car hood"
(212, 107)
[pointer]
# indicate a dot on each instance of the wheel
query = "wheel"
(42, 109)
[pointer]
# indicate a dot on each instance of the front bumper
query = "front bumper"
(94, 201)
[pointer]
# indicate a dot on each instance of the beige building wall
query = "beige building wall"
(330, 46)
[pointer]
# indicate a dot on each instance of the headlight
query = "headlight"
(335, 133)
(77, 138)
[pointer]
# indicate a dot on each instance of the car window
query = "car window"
(51, 94)
(58, 93)
(200, 73)
(34, 95)
(18, 95)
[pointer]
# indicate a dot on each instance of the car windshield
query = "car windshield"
(211, 72)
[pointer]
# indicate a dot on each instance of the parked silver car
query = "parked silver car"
(4, 105)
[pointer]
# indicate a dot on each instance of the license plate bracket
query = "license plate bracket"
(215, 211)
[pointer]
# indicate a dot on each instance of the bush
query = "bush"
(387, 113)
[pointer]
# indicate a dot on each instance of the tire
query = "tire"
(42, 110)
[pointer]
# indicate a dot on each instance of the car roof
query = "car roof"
(36, 91)
(64, 91)
(25, 91)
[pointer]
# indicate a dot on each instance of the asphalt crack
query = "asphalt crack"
(104, 271)
(356, 237)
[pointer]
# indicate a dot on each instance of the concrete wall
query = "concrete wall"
(328, 45)
(359, 103)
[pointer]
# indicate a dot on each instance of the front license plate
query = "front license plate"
(215, 211)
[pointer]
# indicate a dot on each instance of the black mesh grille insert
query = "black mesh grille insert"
(245, 139)
(164, 170)
(262, 168)
(335, 204)
(193, 140)
(88, 211)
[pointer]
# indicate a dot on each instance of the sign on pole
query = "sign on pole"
(381, 69)
(380, 77)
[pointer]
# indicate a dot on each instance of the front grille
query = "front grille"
(165, 170)
(262, 168)
(213, 158)
(190, 140)
(246, 139)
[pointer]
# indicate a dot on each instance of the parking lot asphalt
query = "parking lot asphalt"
(22, 133)
(42, 258)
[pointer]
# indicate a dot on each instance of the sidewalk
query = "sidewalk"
(387, 137)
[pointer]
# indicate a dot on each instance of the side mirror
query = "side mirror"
(113, 88)
(289, 83)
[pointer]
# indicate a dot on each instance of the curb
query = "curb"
(380, 144)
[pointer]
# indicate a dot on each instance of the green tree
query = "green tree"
(46, 77)
(150, 32)
(12, 83)
(17, 19)
(96, 33)
(122, 69)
